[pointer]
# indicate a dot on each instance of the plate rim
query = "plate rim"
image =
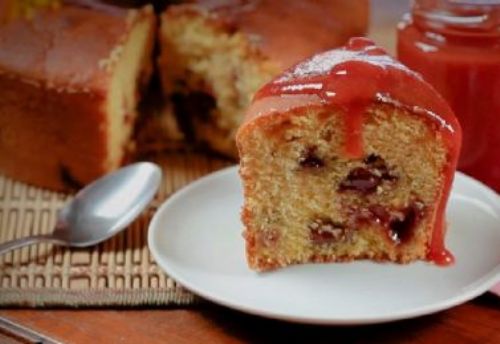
(489, 280)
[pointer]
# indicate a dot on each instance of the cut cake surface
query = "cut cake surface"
(348, 155)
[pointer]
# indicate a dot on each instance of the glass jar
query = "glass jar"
(455, 45)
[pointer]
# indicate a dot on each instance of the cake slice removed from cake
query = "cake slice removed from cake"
(348, 155)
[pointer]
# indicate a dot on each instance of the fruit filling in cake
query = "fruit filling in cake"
(348, 155)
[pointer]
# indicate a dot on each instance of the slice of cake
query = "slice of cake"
(70, 80)
(348, 155)
(216, 54)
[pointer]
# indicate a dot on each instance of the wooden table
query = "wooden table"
(477, 321)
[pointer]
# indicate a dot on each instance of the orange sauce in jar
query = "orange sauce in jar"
(455, 45)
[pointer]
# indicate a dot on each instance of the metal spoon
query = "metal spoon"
(102, 209)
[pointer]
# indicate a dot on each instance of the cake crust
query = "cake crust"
(309, 26)
(42, 50)
(60, 122)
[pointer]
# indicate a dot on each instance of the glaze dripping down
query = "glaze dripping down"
(352, 79)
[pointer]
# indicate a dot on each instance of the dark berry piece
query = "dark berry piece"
(361, 180)
(324, 231)
(398, 222)
(310, 159)
(379, 214)
(378, 166)
(403, 227)
(372, 159)
(68, 179)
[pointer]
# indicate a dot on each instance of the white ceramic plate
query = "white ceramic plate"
(196, 238)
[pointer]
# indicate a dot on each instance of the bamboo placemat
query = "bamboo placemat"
(118, 272)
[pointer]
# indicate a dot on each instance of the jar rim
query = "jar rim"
(458, 16)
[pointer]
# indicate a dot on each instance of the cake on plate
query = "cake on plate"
(71, 74)
(216, 53)
(347, 155)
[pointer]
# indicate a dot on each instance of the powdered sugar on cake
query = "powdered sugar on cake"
(326, 62)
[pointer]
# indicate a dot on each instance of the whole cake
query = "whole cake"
(216, 53)
(70, 78)
(347, 155)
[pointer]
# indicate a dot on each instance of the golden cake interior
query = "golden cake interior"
(210, 74)
(131, 71)
(307, 202)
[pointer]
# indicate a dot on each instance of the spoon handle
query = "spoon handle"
(17, 243)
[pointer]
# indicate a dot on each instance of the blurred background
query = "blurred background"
(385, 14)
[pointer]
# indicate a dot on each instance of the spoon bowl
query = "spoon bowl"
(101, 209)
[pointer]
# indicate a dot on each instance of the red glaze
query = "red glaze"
(353, 78)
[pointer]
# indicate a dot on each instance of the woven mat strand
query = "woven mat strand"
(118, 272)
